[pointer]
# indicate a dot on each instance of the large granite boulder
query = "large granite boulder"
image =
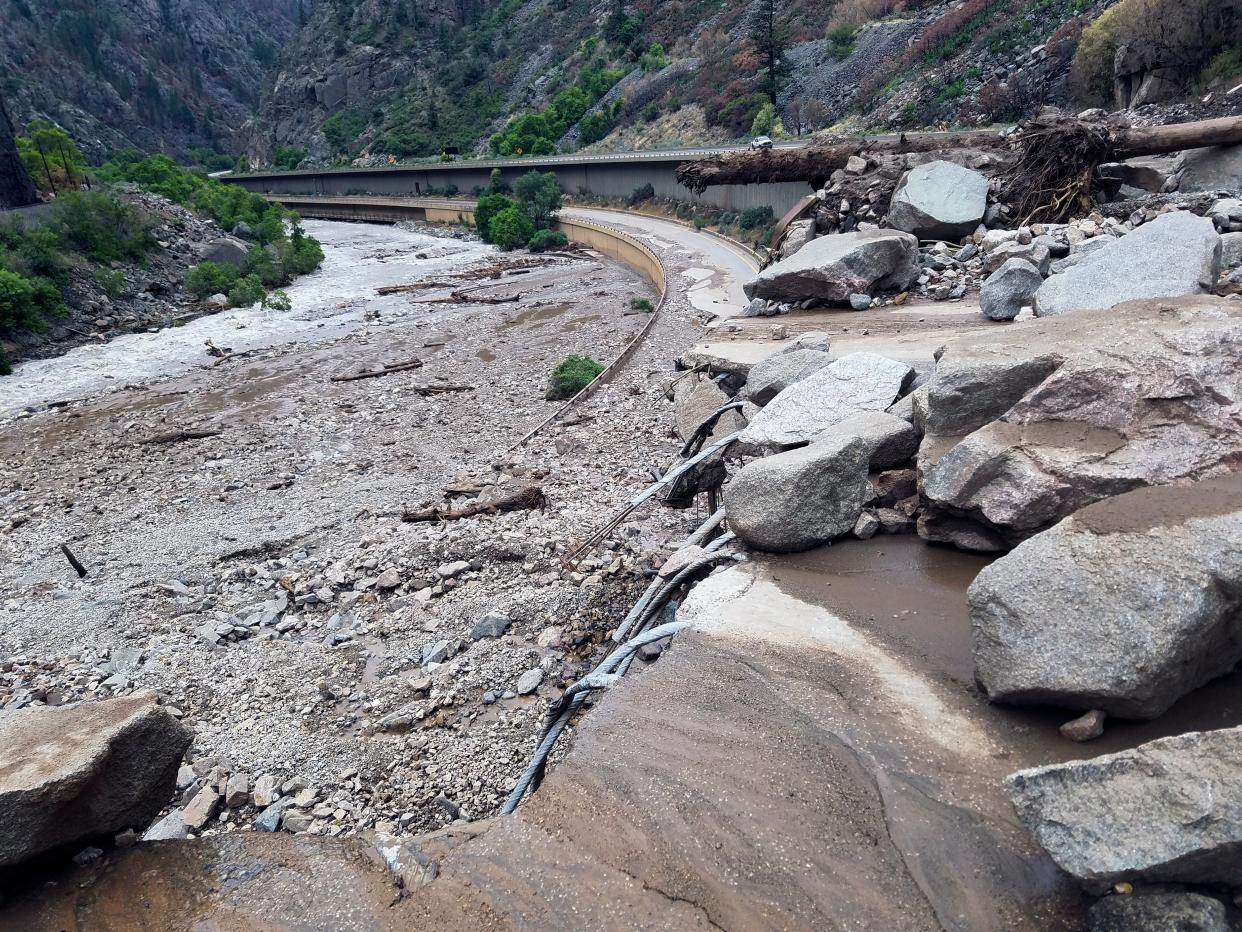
(1176, 254)
(1124, 607)
(1215, 168)
(1009, 289)
(831, 268)
(72, 774)
(1027, 425)
(224, 250)
(939, 200)
(1158, 912)
(854, 383)
(772, 375)
(808, 496)
(1166, 811)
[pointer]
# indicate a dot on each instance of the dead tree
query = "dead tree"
(16, 188)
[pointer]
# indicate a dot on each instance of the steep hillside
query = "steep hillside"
(154, 74)
(380, 79)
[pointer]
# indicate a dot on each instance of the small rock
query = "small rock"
(1085, 727)
(201, 809)
(265, 791)
(529, 681)
(237, 791)
(389, 579)
(491, 625)
(860, 302)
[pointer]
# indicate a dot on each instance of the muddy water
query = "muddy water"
(912, 596)
(327, 304)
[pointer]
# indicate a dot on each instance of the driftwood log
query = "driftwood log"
(524, 498)
(377, 373)
(176, 436)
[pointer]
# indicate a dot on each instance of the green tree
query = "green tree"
(539, 194)
(207, 278)
(248, 290)
(51, 155)
(511, 228)
(342, 129)
(768, 36)
(766, 122)
(489, 206)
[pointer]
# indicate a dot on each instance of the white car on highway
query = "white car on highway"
(761, 142)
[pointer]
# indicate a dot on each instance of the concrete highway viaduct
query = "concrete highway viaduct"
(605, 175)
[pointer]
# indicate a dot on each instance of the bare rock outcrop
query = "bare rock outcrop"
(71, 774)
(1124, 607)
(1030, 424)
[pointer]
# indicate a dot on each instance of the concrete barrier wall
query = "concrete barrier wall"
(604, 239)
(601, 178)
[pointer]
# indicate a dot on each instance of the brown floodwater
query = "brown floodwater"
(912, 597)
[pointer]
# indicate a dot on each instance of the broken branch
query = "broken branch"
(176, 436)
(527, 497)
(73, 561)
(376, 373)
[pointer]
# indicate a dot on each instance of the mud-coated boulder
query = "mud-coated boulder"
(808, 496)
(831, 268)
(1177, 254)
(773, 374)
(1124, 607)
(1028, 424)
(1169, 810)
(75, 773)
(854, 383)
(1009, 289)
(939, 200)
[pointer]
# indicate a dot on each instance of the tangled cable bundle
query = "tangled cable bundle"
(1050, 181)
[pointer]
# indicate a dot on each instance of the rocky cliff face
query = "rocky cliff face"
(16, 189)
(159, 75)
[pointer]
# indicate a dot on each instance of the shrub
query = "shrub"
(640, 194)
(654, 58)
(341, 129)
(738, 115)
(278, 301)
(641, 304)
(753, 217)
(539, 195)
(111, 281)
(841, 40)
(25, 304)
(287, 157)
(488, 207)
(1227, 64)
(207, 278)
(100, 227)
(511, 228)
(543, 240)
(247, 291)
(572, 376)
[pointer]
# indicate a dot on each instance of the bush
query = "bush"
(766, 122)
(111, 281)
(753, 217)
(1091, 72)
(572, 376)
(25, 304)
(841, 40)
(287, 157)
(247, 291)
(511, 228)
(488, 207)
(641, 304)
(539, 195)
(207, 278)
(640, 194)
(278, 301)
(341, 129)
(543, 240)
(100, 227)
(1228, 64)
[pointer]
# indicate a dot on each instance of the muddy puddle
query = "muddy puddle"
(912, 597)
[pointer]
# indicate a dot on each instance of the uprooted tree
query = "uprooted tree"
(1049, 161)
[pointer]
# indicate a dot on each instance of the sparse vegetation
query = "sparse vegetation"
(841, 40)
(543, 240)
(641, 304)
(573, 375)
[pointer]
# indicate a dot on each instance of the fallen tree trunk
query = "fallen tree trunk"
(527, 497)
(814, 163)
(177, 436)
(377, 373)
(1044, 139)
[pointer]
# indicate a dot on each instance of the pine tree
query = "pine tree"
(16, 188)
(768, 36)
